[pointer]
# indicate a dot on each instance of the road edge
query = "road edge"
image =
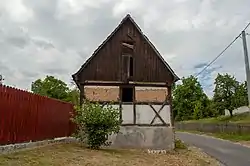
(209, 136)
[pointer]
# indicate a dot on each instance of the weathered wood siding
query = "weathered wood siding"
(107, 64)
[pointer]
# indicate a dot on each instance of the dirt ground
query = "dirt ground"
(76, 155)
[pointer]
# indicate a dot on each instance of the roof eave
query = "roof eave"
(74, 76)
(176, 78)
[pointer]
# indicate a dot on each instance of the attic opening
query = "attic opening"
(127, 47)
(127, 94)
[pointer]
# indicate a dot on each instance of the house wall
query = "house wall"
(102, 93)
(134, 136)
(152, 138)
(144, 114)
(150, 94)
(147, 137)
(111, 93)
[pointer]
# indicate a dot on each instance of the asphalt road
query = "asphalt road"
(228, 153)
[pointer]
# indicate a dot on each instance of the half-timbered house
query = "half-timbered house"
(127, 70)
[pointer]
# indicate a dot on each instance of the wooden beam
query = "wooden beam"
(128, 45)
(130, 37)
(134, 106)
(120, 102)
(170, 103)
(149, 83)
(130, 103)
(146, 125)
(101, 82)
(157, 114)
(103, 104)
(163, 105)
(119, 83)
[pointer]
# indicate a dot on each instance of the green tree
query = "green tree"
(198, 107)
(229, 93)
(74, 96)
(189, 100)
(51, 87)
(241, 94)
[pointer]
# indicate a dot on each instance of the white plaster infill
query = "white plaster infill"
(27, 145)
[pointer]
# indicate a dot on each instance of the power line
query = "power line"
(221, 53)
(246, 26)
(217, 57)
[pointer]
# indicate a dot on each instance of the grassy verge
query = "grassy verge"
(226, 136)
(74, 154)
(238, 118)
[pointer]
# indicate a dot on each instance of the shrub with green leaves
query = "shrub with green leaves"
(95, 123)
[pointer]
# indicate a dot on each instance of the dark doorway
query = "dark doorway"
(127, 94)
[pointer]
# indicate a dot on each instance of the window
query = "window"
(131, 67)
(127, 60)
(127, 94)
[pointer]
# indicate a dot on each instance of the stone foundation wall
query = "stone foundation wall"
(153, 138)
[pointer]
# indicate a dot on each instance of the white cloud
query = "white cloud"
(16, 10)
(45, 37)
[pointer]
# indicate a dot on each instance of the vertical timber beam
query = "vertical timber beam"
(171, 113)
(120, 102)
(170, 105)
(134, 106)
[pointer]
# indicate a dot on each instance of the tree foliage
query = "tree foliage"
(189, 100)
(229, 93)
(55, 88)
(74, 96)
(95, 123)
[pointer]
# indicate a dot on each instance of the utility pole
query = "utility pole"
(246, 64)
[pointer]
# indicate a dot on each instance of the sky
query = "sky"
(55, 37)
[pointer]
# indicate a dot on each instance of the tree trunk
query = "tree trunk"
(231, 113)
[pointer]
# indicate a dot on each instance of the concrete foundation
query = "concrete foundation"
(154, 138)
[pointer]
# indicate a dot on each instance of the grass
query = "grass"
(75, 155)
(231, 137)
(238, 118)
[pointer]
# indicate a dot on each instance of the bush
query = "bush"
(95, 123)
(179, 144)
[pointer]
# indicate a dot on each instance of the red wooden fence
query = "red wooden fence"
(25, 116)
